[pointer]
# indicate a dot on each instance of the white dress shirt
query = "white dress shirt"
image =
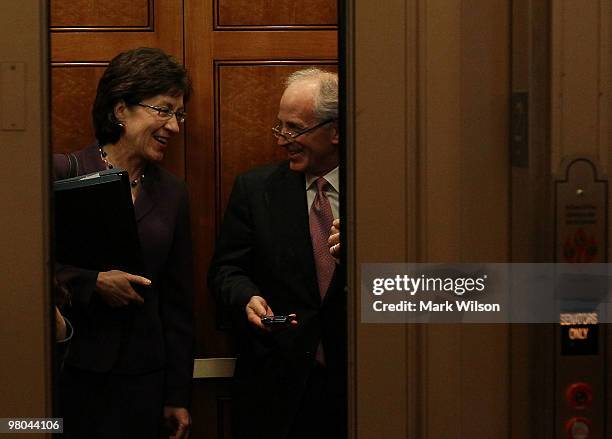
(332, 193)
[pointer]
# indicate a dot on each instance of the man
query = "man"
(273, 258)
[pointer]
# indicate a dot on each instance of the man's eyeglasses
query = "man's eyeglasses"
(166, 113)
(290, 136)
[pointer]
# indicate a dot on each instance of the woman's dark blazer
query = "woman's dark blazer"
(138, 339)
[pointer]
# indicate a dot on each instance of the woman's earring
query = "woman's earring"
(121, 124)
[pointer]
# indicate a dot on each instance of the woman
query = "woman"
(131, 358)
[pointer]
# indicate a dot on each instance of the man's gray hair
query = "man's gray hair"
(326, 100)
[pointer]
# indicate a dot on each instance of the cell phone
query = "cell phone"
(278, 321)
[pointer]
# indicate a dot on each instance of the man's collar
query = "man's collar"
(332, 177)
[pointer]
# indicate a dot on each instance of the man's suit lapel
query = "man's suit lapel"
(286, 199)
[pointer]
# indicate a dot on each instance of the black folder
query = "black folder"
(95, 227)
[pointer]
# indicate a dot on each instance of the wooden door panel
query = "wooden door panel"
(162, 26)
(72, 95)
(211, 409)
(308, 13)
(277, 45)
(106, 13)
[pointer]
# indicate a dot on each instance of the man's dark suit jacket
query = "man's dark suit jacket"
(159, 334)
(265, 249)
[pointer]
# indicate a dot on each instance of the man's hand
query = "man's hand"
(334, 239)
(256, 309)
(178, 421)
(115, 287)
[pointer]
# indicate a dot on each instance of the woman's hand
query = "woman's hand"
(115, 287)
(60, 325)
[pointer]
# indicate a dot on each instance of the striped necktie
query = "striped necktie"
(321, 218)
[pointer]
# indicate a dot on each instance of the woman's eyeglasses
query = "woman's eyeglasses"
(166, 113)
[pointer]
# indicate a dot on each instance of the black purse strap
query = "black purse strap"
(73, 165)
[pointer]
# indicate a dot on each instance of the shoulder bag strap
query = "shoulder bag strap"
(73, 165)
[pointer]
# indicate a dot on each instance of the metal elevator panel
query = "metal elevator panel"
(581, 237)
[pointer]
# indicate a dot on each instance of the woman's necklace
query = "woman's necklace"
(109, 165)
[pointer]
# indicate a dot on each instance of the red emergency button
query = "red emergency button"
(578, 428)
(579, 396)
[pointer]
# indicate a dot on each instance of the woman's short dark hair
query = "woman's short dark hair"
(132, 77)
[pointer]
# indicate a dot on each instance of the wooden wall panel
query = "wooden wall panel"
(465, 188)
(26, 374)
(300, 13)
(105, 14)
(73, 92)
(211, 409)
(88, 44)
(532, 346)
(247, 97)
(381, 152)
(581, 90)
(277, 45)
